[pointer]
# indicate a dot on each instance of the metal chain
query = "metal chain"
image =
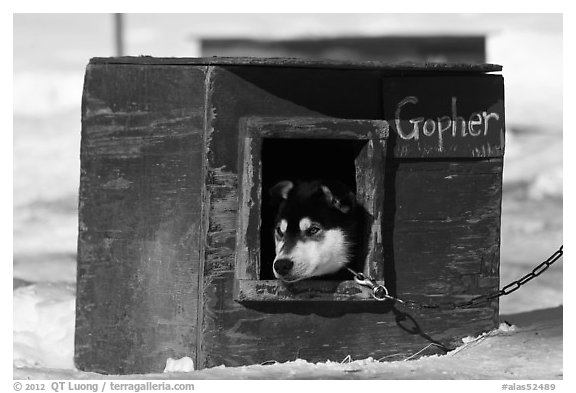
(380, 292)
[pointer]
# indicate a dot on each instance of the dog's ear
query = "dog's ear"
(344, 201)
(281, 189)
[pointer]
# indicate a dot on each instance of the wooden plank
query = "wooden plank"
(275, 291)
(467, 190)
(443, 225)
(314, 128)
(254, 62)
(370, 192)
(139, 217)
(248, 250)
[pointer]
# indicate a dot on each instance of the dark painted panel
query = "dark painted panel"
(446, 116)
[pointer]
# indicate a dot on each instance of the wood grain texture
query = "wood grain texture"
(249, 221)
(313, 128)
(443, 223)
(139, 217)
(275, 291)
(370, 191)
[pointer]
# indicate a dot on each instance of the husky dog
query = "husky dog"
(314, 230)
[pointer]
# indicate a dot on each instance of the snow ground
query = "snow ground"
(529, 349)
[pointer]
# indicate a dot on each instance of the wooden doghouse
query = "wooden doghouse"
(174, 255)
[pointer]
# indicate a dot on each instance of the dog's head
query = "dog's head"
(312, 229)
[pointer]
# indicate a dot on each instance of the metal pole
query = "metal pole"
(119, 34)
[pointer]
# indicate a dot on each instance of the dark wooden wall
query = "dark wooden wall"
(140, 217)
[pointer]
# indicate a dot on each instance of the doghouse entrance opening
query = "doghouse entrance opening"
(301, 160)
(272, 149)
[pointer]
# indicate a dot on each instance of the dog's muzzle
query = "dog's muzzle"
(283, 266)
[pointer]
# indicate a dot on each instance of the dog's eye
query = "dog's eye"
(279, 232)
(312, 230)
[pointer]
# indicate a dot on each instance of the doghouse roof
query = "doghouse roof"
(301, 63)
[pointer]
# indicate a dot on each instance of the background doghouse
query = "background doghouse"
(177, 155)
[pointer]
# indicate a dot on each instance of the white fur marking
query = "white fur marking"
(316, 258)
(283, 226)
(279, 246)
(304, 224)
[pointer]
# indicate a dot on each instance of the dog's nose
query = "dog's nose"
(283, 266)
